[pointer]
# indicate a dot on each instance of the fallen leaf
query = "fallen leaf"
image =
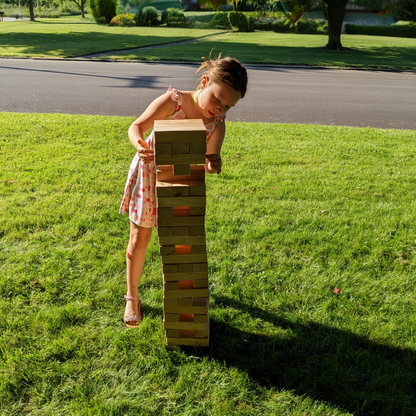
(274, 287)
(337, 291)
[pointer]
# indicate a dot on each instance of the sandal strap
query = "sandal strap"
(131, 298)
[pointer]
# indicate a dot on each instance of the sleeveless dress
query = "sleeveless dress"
(139, 200)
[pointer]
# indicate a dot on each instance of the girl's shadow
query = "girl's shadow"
(321, 362)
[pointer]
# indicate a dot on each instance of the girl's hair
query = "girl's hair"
(226, 71)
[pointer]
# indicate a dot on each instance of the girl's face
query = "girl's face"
(216, 99)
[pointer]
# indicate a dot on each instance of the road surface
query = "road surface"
(275, 95)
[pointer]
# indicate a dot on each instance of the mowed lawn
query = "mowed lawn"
(66, 39)
(311, 248)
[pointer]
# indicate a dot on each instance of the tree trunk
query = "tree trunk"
(82, 9)
(335, 10)
(32, 14)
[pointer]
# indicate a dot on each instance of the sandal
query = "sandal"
(133, 321)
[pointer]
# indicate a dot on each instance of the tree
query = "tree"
(81, 4)
(31, 12)
(335, 13)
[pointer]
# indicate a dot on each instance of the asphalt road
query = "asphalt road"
(276, 95)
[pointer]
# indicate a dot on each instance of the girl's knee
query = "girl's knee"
(139, 236)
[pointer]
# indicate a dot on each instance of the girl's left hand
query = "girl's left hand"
(215, 162)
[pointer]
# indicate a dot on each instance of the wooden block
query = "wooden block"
(198, 147)
(180, 170)
(199, 249)
(197, 230)
(165, 173)
(168, 240)
(180, 159)
(166, 250)
(185, 302)
(164, 191)
(172, 333)
(197, 210)
(185, 325)
(200, 283)
(180, 190)
(187, 201)
(197, 188)
(186, 293)
(183, 147)
(201, 334)
(200, 318)
(177, 221)
(163, 148)
(184, 258)
(184, 268)
(172, 317)
(165, 212)
(171, 286)
(170, 305)
(170, 268)
(167, 131)
(164, 232)
(186, 317)
(199, 267)
(181, 231)
(174, 277)
(190, 342)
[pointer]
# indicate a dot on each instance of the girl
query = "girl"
(223, 84)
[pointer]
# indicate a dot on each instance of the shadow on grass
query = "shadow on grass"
(74, 44)
(321, 362)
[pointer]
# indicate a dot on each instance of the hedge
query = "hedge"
(398, 31)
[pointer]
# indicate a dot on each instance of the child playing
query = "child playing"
(223, 84)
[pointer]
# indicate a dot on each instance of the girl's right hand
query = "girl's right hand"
(146, 155)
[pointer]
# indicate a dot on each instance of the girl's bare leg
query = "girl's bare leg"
(135, 255)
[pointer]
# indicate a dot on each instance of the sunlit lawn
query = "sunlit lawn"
(298, 211)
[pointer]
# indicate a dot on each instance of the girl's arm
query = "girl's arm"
(159, 109)
(213, 161)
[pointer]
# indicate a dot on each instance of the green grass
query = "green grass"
(292, 49)
(297, 211)
(62, 39)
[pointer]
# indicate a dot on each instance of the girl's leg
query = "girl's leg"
(135, 255)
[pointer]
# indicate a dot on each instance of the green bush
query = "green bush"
(123, 20)
(220, 21)
(404, 9)
(174, 18)
(398, 31)
(148, 16)
(103, 10)
(240, 22)
(311, 27)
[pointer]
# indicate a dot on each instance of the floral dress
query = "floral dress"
(139, 200)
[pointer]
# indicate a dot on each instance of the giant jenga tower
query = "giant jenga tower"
(180, 147)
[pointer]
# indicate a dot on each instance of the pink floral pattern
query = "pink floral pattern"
(139, 200)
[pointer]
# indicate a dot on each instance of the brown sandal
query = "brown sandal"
(133, 321)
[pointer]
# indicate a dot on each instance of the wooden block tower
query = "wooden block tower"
(180, 147)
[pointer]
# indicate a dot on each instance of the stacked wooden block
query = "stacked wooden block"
(180, 147)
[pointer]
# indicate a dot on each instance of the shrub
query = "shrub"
(240, 22)
(404, 9)
(123, 20)
(399, 31)
(220, 21)
(311, 27)
(148, 16)
(103, 10)
(174, 18)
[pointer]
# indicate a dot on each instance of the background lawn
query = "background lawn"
(297, 212)
(63, 39)
(54, 38)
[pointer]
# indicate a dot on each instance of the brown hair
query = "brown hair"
(226, 71)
